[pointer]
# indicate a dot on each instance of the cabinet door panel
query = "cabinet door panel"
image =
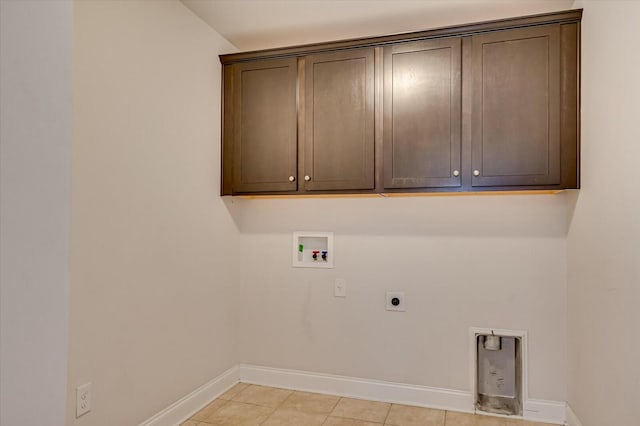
(265, 126)
(516, 107)
(422, 114)
(339, 137)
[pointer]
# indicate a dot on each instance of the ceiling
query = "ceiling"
(262, 24)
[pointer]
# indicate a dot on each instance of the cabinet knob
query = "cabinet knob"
(456, 173)
(292, 178)
(476, 172)
(307, 178)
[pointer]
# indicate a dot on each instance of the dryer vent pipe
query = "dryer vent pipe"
(492, 343)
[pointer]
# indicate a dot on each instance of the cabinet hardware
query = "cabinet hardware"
(530, 80)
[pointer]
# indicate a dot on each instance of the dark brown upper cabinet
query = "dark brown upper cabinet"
(490, 106)
(422, 114)
(516, 107)
(339, 120)
(260, 131)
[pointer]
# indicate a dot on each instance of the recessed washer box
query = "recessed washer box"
(312, 249)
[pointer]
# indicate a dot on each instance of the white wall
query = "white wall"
(604, 238)
(472, 261)
(154, 249)
(462, 262)
(35, 178)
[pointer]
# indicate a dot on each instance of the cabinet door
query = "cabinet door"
(422, 114)
(516, 107)
(339, 133)
(264, 131)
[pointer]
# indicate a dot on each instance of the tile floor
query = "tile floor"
(249, 405)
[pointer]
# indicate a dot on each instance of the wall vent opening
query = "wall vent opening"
(499, 374)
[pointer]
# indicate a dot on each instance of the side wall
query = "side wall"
(35, 189)
(604, 237)
(462, 261)
(154, 249)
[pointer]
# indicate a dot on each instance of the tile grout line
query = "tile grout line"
(332, 410)
(280, 405)
(291, 392)
(274, 409)
(343, 417)
(198, 422)
(384, 422)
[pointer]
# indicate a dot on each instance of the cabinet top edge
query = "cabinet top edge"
(567, 16)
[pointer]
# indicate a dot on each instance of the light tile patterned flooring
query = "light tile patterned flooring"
(250, 405)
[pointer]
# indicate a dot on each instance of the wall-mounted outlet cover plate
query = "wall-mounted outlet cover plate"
(340, 289)
(83, 399)
(396, 301)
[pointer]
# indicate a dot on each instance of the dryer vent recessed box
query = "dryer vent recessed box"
(313, 249)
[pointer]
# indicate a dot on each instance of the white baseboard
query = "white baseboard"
(399, 393)
(374, 390)
(187, 406)
(544, 411)
(572, 419)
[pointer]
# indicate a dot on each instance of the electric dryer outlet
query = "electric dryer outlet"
(396, 301)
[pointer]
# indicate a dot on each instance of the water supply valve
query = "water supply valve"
(312, 249)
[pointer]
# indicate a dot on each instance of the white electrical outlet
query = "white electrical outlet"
(340, 289)
(395, 301)
(83, 399)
